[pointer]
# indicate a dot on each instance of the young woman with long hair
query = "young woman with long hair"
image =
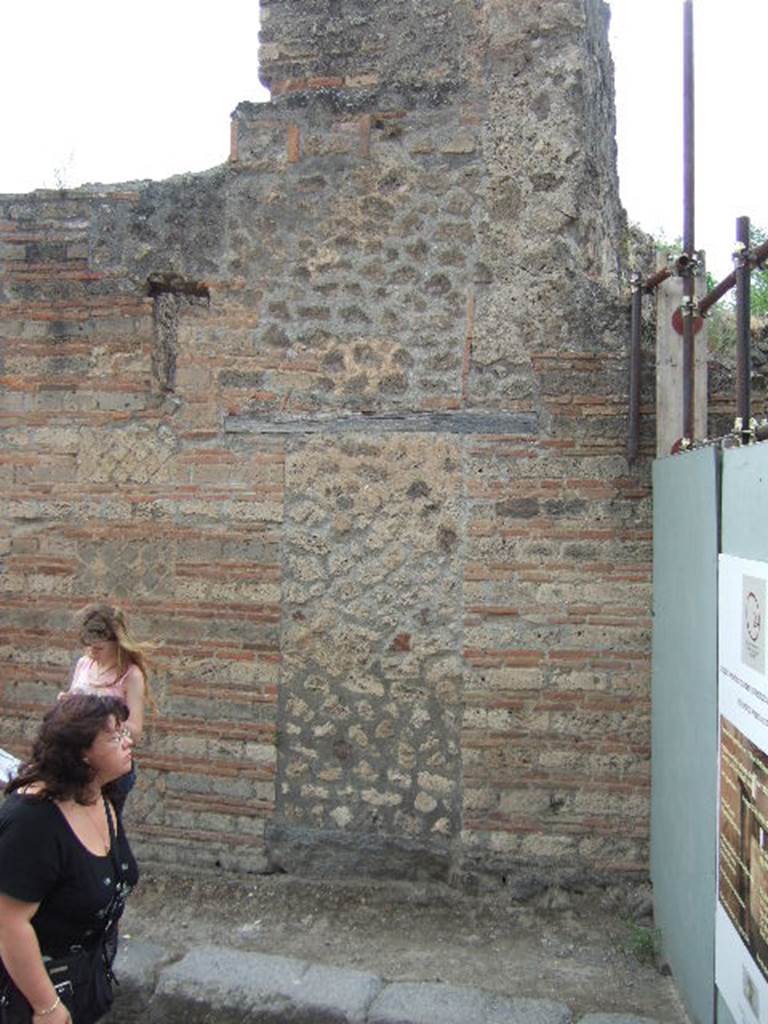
(114, 665)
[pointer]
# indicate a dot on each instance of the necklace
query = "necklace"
(98, 827)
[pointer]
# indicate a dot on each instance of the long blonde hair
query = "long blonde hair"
(105, 622)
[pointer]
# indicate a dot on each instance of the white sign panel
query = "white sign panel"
(741, 920)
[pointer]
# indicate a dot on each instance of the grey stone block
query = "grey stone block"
(387, 423)
(137, 966)
(615, 1018)
(432, 1003)
(222, 985)
(333, 852)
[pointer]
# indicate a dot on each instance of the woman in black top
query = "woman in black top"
(65, 863)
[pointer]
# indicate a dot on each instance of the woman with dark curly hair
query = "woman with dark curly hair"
(65, 867)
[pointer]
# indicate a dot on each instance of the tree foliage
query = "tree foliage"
(759, 286)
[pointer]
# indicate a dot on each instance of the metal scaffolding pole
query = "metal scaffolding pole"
(688, 223)
(633, 444)
(743, 273)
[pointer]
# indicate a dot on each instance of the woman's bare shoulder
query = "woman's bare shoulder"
(134, 677)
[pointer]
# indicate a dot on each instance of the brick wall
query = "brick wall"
(743, 863)
(342, 424)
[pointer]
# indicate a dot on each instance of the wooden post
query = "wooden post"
(669, 364)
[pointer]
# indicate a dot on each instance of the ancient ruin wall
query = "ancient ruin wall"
(342, 423)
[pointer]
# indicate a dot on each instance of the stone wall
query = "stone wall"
(342, 424)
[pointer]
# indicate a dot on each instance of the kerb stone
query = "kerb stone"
(224, 985)
(431, 1003)
(614, 1018)
(137, 967)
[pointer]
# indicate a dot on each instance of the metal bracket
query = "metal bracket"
(748, 434)
(740, 254)
(686, 264)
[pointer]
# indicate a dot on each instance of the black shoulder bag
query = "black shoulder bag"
(82, 977)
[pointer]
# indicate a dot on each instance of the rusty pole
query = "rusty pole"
(757, 258)
(633, 443)
(721, 288)
(688, 222)
(743, 272)
(655, 281)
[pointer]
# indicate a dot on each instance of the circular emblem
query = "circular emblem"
(752, 616)
(677, 322)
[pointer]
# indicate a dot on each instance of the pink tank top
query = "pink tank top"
(81, 684)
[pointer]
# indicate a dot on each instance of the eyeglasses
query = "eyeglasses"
(120, 736)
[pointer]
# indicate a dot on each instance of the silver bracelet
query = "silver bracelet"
(51, 1008)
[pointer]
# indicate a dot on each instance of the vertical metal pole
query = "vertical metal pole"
(688, 221)
(688, 130)
(743, 271)
(633, 443)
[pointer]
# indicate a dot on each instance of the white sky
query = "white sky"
(95, 91)
(731, 147)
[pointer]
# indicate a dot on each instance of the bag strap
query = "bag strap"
(113, 851)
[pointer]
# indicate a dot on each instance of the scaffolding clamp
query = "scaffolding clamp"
(686, 264)
(740, 254)
(746, 435)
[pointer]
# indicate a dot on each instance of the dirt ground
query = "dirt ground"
(581, 949)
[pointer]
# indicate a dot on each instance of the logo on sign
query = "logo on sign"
(752, 632)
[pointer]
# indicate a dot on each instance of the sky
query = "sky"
(99, 92)
(731, 144)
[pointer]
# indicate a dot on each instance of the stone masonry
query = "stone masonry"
(342, 425)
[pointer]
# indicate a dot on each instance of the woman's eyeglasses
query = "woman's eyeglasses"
(119, 736)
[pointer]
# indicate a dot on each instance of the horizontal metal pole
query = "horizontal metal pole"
(656, 280)
(720, 289)
(757, 258)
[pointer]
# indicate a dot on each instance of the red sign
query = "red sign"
(677, 322)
